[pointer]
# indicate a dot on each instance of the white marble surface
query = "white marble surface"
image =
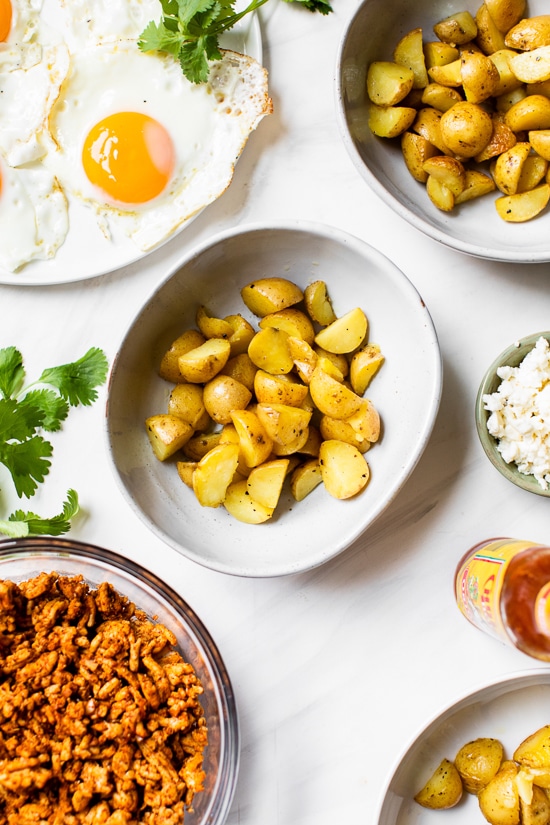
(336, 669)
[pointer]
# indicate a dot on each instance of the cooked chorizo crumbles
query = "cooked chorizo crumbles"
(100, 719)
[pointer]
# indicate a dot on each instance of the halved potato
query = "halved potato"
(214, 473)
(187, 402)
(239, 503)
(269, 351)
(167, 434)
(292, 321)
(448, 171)
(443, 789)
(345, 334)
(282, 423)
(388, 83)
(305, 478)
(265, 482)
(279, 389)
(447, 74)
(212, 327)
(409, 52)
(185, 471)
(204, 362)
(344, 469)
(437, 53)
(390, 121)
(270, 294)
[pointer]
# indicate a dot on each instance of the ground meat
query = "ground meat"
(100, 718)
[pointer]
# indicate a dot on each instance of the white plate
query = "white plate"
(305, 534)
(86, 252)
(508, 710)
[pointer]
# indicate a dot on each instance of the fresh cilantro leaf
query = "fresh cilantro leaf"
(12, 372)
(27, 462)
(18, 423)
(77, 381)
(321, 6)
(157, 37)
(29, 524)
(52, 408)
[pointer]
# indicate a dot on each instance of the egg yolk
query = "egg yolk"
(130, 156)
(5, 19)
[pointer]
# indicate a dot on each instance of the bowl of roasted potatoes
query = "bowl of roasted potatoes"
(444, 108)
(133, 715)
(271, 397)
(484, 758)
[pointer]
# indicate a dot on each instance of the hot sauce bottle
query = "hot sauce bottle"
(502, 586)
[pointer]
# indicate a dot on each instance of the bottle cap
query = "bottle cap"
(542, 610)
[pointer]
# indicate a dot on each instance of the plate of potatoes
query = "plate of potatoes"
(444, 108)
(485, 758)
(255, 409)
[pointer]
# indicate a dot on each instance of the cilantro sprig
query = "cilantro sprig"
(190, 30)
(29, 411)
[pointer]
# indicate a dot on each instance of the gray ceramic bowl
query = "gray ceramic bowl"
(512, 356)
(22, 559)
(474, 228)
(300, 535)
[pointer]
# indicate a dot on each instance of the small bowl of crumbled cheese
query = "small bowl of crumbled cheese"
(513, 413)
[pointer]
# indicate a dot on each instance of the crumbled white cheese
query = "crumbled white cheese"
(520, 413)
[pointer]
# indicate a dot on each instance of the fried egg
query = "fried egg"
(142, 146)
(19, 20)
(33, 216)
(30, 80)
(88, 22)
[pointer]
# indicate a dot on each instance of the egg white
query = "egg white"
(25, 21)
(33, 216)
(208, 123)
(30, 80)
(88, 22)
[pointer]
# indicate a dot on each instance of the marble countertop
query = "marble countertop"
(336, 669)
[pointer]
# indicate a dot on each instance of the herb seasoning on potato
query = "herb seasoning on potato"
(471, 109)
(253, 407)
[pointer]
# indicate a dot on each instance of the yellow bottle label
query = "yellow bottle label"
(479, 581)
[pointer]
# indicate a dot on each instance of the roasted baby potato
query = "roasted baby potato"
(388, 83)
(204, 362)
(270, 295)
(409, 52)
(530, 33)
(534, 751)
(506, 13)
(443, 789)
(466, 129)
(499, 799)
(344, 469)
(457, 29)
(167, 434)
(477, 763)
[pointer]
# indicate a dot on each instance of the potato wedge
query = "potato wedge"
(533, 172)
(440, 195)
(345, 334)
(540, 141)
(185, 472)
(344, 469)
(341, 430)
(390, 121)
(530, 113)
(292, 321)
(214, 473)
(242, 335)
(282, 423)
(478, 762)
(363, 367)
(480, 77)
(239, 504)
(305, 478)
(265, 482)
(523, 206)
(167, 434)
(204, 362)
(506, 13)
(457, 29)
(270, 294)
(337, 362)
(318, 303)
(331, 397)
(532, 67)
(200, 444)
(169, 366)
(366, 422)
(534, 751)
(428, 124)
(223, 394)
(530, 33)
(537, 811)
(212, 327)
(269, 351)
(279, 389)
(254, 442)
(416, 149)
(437, 53)
(443, 789)
(304, 357)
(508, 166)
(489, 37)
(507, 81)
(187, 402)
(440, 97)
(477, 184)
(388, 83)
(409, 52)
(499, 799)
(501, 140)
(241, 368)
(448, 74)
(448, 171)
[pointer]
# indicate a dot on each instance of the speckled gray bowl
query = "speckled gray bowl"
(512, 356)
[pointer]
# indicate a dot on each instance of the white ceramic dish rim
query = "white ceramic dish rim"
(416, 220)
(101, 256)
(506, 683)
(333, 233)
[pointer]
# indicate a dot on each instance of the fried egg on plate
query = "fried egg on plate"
(19, 20)
(87, 22)
(33, 216)
(30, 80)
(146, 149)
